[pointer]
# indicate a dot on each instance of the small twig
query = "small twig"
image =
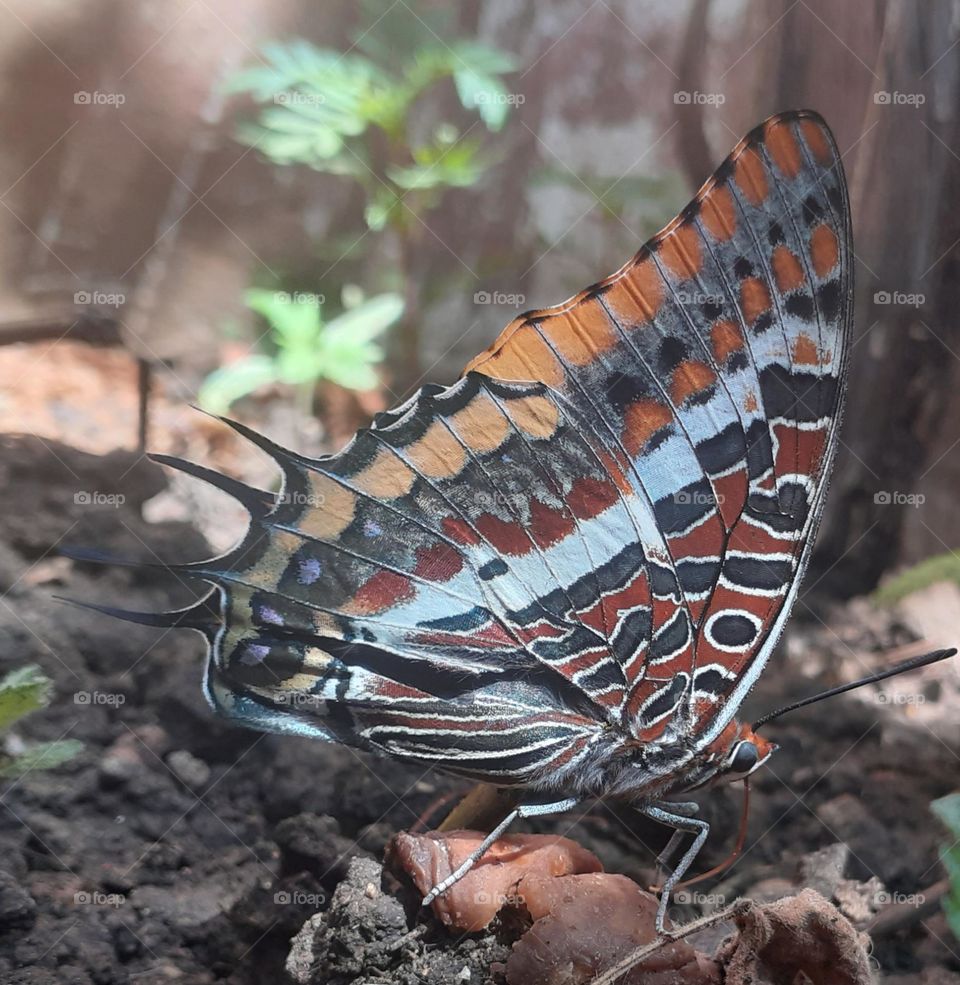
(438, 802)
(482, 808)
(737, 907)
(408, 938)
(896, 916)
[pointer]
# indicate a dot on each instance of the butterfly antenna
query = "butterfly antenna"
(900, 668)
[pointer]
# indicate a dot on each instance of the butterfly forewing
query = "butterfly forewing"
(712, 364)
(595, 535)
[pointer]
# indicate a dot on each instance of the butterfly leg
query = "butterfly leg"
(687, 809)
(682, 823)
(520, 811)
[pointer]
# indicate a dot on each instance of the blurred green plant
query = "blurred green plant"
(947, 809)
(346, 114)
(24, 691)
(940, 567)
(400, 116)
(307, 349)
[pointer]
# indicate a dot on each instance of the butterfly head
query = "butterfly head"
(736, 753)
(745, 753)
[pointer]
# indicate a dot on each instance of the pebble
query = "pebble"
(190, 771)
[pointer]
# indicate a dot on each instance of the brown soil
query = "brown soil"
(177, 848)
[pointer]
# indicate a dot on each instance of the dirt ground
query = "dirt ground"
(177, 848)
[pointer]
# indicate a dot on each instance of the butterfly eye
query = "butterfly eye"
(744, 758)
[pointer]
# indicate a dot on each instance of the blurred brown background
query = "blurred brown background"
(132, 214)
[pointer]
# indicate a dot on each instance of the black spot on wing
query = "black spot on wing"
(671, 637)
(800, 305)
(632, 633)
(680, 510)
(733, 630)
(721, 451)
(757, 573)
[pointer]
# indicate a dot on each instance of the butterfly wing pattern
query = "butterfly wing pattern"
(565, 571)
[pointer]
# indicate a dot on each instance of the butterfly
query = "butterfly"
(564, 572)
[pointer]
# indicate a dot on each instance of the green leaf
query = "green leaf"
(440, 165)
(291, 319)
(951, 909)
(382, 206)
(951, 862)
(352, 377)
(947, 810)
(368, 319)
(485, 94)
(22, 691)
(298, 365)
(940, 567)
(40, 756)
(226, 385)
